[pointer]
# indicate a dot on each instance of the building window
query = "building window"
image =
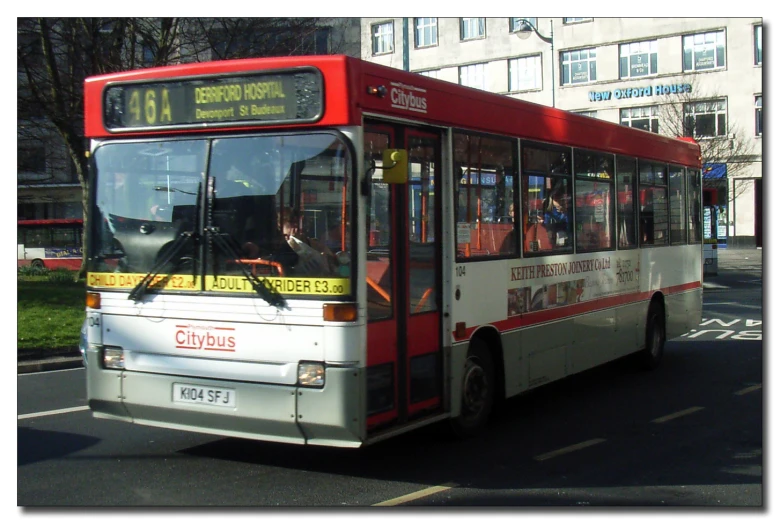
(30, 50)
(426, 32)
(31, 156)
(147, 55)
(704, 51)
(578, 67)
(758, 39)
(317, 43)
(525, 73)
(473, 76)
(638, 59)
(433, 73)
(705, 119)
(759, 116)
(591, 114)
(640, 117)
(517, 24)
(471, 28)
(382, 38)
(571, 20)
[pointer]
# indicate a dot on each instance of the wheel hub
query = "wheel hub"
(474, 388)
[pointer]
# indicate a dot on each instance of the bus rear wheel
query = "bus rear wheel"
(655, 336)
(37, 264)
(478, 388)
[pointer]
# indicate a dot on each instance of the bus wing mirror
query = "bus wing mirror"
(395, 166)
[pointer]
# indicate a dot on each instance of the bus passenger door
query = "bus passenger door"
(403, 280)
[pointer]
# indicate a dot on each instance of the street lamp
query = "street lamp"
(526, 27)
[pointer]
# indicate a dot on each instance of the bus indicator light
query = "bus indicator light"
(339, 312)
(93, 300)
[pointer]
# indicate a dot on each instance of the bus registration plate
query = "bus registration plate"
(194, 394)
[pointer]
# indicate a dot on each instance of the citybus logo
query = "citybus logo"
(408, 98)
(205, 337)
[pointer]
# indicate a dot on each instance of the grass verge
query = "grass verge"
(49, 314)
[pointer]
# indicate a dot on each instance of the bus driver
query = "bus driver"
(314, 257)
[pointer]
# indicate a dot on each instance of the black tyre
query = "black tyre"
(37, 264)
(655, 337)
(478, 391)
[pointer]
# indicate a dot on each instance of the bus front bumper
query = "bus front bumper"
(331, 416)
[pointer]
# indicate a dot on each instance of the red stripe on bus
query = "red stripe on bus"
(573, 310)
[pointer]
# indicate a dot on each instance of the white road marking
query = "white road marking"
(50, 371)
(569, 449)
(678, 414)
(417, 495)
(52, 412)
(748, 390)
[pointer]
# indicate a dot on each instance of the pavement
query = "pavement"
(733, 264)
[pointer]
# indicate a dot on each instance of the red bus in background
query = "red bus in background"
(49, 243)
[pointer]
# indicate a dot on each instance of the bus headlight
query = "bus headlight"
(113, 358)
(311, 374)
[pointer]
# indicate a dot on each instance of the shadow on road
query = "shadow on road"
(721, 444)
(34, 445)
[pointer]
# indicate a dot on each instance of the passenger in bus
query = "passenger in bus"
(333, 236)
(536, 237)
(556, 216)
(553, 211)
(508, 245)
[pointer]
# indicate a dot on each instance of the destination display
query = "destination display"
(250, 99)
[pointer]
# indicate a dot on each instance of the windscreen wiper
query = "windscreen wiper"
(225, 242)
(173, 249)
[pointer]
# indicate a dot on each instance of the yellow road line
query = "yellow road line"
(417, 495)
(53, 412)
(569, 449)
(678, 414)
(748, 390)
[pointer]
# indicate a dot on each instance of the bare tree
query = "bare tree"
(703, 115)
(56, 55)
(226, 38)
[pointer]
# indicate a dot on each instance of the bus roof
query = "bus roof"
(354, 87)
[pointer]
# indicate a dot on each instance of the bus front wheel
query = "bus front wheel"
(37, 264)
(655, 336)
(478, 388)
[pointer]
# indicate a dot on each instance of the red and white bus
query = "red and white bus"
(460, 247)
(49, 243)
